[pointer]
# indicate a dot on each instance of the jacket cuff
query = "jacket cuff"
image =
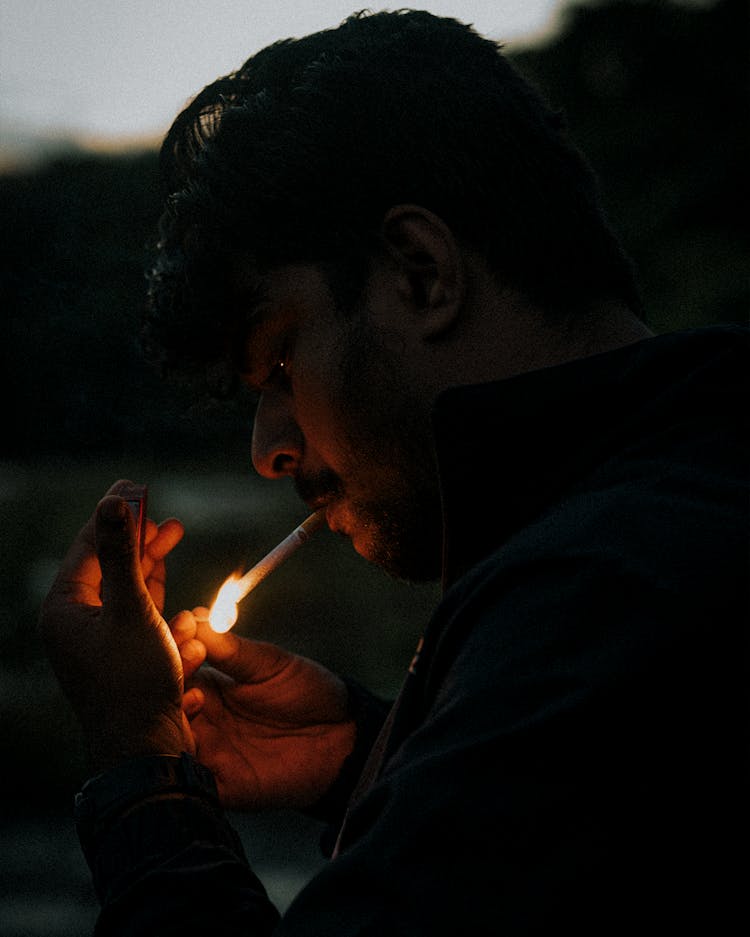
(143, 813)
(108, 796)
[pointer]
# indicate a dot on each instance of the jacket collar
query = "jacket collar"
(508, 450)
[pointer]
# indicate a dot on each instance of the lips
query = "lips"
(323, 490)
(319, 489)
(331, 519)
(334, 509)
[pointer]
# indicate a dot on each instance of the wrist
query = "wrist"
(112, 746)
(112, 793)
(144, 812)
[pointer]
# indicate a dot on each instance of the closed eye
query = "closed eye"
(278, 373)
(277, 376)
(267, 356)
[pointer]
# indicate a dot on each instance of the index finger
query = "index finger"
(162, 538)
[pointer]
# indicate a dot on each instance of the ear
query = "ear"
(431, 277)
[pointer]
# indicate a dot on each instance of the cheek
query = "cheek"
(350, 400)
(318, 413)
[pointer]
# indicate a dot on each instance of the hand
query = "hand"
(108, 644)
(272, 726)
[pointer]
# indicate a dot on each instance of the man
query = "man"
(391, 239)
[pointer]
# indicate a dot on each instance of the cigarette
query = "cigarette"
(223, 612)
(281, 553)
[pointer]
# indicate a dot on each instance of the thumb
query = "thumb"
(240, 658)
(118, 553)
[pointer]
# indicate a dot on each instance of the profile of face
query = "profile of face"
(343, 412)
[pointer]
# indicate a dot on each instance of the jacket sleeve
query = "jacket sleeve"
(163, 856)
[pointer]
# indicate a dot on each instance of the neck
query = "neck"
(602, 327)
(527, 338)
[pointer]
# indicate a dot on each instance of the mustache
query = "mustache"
(322, 486)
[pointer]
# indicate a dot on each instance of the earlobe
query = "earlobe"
(430, 264)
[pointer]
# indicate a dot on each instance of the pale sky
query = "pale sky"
(117, 69)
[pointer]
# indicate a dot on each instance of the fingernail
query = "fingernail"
(112, 509)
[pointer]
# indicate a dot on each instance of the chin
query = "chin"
(366, 545)
(404, 538)
(393, 556)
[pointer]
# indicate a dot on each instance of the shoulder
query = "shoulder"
(638, 578)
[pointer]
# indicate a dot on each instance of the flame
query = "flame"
(224, 611)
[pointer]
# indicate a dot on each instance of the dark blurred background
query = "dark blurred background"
(656, 93)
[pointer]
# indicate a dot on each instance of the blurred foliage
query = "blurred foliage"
(657, 96)
(75, 245)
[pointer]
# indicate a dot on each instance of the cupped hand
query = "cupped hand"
(273, 727)
(108, 644)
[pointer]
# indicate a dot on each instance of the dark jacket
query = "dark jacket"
(568, 752)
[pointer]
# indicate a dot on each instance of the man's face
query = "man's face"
(343, 411)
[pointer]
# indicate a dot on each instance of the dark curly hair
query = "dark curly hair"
(297, 156)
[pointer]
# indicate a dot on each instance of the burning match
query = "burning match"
(224, 611)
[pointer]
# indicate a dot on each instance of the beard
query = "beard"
(405, 536)
(401, 525)
(388, 431)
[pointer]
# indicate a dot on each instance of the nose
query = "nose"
(277, 440)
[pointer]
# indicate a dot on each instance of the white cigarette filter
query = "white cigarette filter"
(224, 610)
